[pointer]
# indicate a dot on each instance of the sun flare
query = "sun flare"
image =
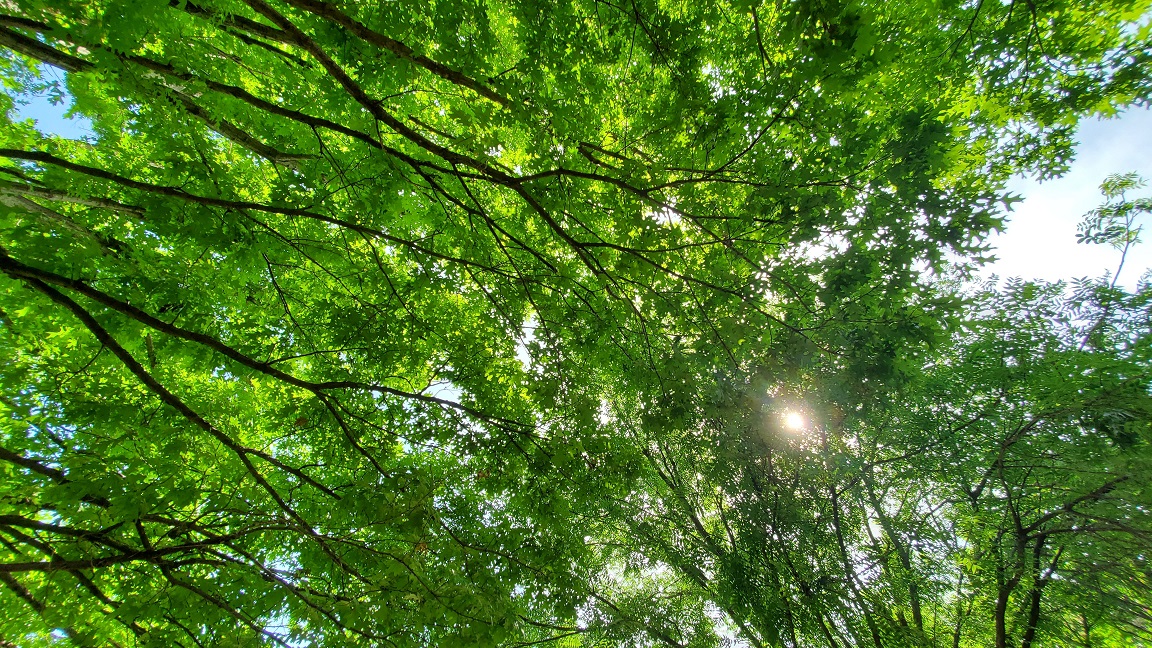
(794, 421)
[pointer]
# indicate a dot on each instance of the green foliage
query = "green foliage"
(472, 323)
(1114, 223)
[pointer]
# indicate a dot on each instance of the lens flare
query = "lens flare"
(794, 421)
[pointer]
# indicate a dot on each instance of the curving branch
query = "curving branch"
(329, 12)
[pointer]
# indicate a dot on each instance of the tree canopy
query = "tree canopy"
(578, 323)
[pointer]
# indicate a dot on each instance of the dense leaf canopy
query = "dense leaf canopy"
(476, 323)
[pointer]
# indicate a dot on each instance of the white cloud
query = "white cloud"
(1040, 239)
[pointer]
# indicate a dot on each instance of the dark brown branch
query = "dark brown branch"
(1071, 505)
(237, 135)
(54, 217)
(222, 605)
(330, 12)
(228, 130)
(373, 106)
(16, 269)
(176, 403)
(146, 555)
(35, 49)
(237, 22)
(14, 188)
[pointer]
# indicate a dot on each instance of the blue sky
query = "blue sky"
(50, 118)
(1039, 241)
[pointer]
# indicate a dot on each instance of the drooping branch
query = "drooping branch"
(32, 191)
(372, 106)
(19, 270)
(242, 453)
(329, 12)
(37, 605)
(33, 48)
(234, 21)
(69, 63)
(237, 205)
(14, 199)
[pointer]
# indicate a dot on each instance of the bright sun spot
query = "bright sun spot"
(794, 421)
